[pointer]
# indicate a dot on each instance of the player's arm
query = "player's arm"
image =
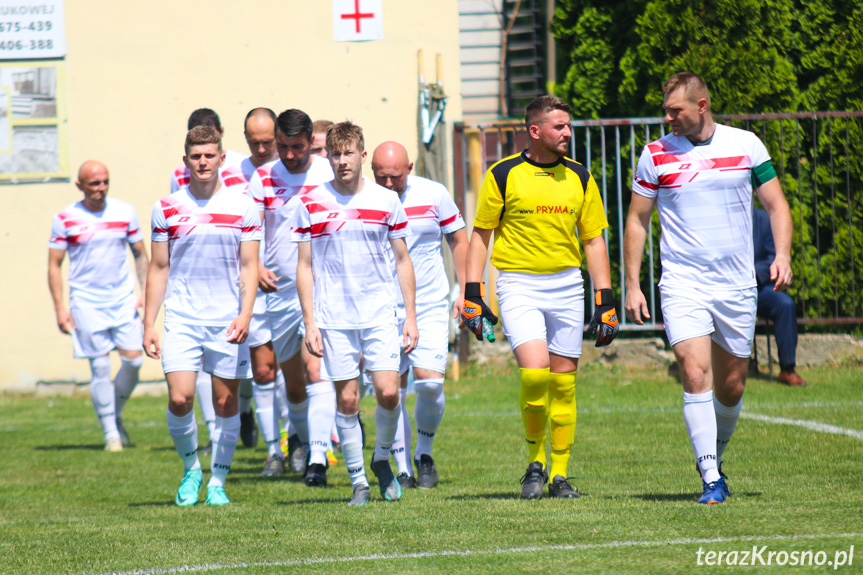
(634, 238)
(774, 202)
(306, 292)
(457, 242)
(142, 264)
(605, 315)
(157, 286)
(239, 328)
(266, 278)
(55, 284)
(407, 284)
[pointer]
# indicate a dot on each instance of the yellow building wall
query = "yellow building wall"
(136, 70)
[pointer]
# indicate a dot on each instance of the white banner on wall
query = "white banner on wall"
(32, 29)
(358, 20)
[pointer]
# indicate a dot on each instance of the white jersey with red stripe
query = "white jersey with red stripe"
(99, 274)
(432, 213)
(704, 198)
(354, 287)
(272, 186)
(204, 239)
(233, 161)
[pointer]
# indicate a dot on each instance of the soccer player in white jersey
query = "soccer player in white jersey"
(103, 309)
(700, 177)
(311, 395)
(205, 269)
(319, 137)
(432, 215)
(348, 298)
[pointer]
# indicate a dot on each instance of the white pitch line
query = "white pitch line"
(813, 425)
(479, 553)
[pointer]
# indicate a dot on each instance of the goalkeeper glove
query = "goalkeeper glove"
(604, 318)
(475, 310)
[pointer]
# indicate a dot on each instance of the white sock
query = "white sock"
(265, 397)
(204, 388)
(298, 413)
(428, 413)
(701, 425)
(322, 415)
(726, 421)
(224, 443)
(386, 421)
(125, 381)
(401, 448)
(351, 438)
(281, 396)
(102, 395)
(184, 432)
(245, 396)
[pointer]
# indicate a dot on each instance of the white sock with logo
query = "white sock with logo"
(401, 448)
(224, 443)
(298, 413)
(184, 433)
(125, 381)
(386, 421)
(268, 420)
(351, 438)
(322, 415)
(700, 421)
(102, 395)
(204, 389)
(726, 421)
(428, 413)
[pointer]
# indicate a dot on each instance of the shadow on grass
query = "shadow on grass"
(153, 504)
(90, 447)
(690, 496)
(473, 497)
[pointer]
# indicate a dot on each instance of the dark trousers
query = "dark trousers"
(780, 308)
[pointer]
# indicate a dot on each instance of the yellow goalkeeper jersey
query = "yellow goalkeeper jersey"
(538, 212)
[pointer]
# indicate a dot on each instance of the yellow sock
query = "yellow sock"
(561, 407)
(534, 411)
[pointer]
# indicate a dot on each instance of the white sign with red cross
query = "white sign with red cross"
(358, 20)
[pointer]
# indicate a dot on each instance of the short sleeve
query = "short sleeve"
(592, 220)
(301, 220)
(159, 223)
(449, 216)
(256, 190)
(646, 181)
(58, 234)
(134, 233)
(490, 205)
(251, 222)
(176, 177)
(397, 223)
(758, 153)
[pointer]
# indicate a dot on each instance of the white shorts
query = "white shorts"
(259, 326)
(100, 330)
(186, 346)
(727, 314)
(287, 331)
(379, 347)
(433, 346)
(547, 307)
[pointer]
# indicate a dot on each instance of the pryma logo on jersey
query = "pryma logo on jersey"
(548, 174)
(554, 210)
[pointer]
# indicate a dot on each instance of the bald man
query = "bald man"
(432, 215)
(103, 309)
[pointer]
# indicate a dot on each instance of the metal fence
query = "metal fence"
(818, 157)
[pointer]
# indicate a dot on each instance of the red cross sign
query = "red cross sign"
(357, 20)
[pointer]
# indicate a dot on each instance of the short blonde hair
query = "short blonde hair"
(694, 87)
(201, 135)
(343, 134)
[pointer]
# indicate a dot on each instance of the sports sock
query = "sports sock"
(401, 447)
(534, 411)
(561, 420)
(726, 421)
(428, 412)
(245, 395)
(125, 381)
(224, 444)
(351, 438)
(298, 413)
(701, 425)
(184, 433)
(265, 396)
(204, 389)
(281, 396)
(102, 395)
(322, 415)
(386, 421)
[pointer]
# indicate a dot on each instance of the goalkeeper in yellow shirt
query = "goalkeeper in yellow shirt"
(538, 204)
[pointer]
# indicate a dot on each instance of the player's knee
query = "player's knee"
(389, 398)
(100, 367)
(536, 406)
(695, 376)
(429, 388)
(563, 418)
(133, 362)
(264, 374)
(179, 403)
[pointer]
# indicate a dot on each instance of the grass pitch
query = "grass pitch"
(66, 506)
